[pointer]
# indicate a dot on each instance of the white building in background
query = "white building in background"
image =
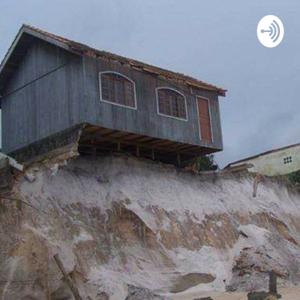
(280, 161)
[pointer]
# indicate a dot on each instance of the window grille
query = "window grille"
(287, 160)
(118, 89)
(171, 103)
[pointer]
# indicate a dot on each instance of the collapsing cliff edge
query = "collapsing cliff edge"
(120, 223)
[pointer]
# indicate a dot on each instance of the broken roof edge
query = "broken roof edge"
(262, 154)
(85, 50)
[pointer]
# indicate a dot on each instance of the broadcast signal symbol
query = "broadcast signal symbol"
(270, 31)
(274, 31)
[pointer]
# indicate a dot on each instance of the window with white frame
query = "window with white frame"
(171, 103)
(117, 89)
(288, 160)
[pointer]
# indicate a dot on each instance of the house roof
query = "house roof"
(27, 33)
(262, 154)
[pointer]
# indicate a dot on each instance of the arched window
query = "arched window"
(171, 103)
(117, 89)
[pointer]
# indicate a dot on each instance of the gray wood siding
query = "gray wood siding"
(145, 119)
(62, 89)
(46, 104)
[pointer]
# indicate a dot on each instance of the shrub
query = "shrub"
(206, 163)
(294, 178)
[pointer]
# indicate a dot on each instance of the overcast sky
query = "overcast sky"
(212, 40)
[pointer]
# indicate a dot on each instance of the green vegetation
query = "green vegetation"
(294, 178)
(206, 163)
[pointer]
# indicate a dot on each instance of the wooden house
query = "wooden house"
(49, 84)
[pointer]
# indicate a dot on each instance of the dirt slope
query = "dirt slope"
(117, 222)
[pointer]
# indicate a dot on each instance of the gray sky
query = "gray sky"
(213, 40)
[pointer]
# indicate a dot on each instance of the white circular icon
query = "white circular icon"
(270, 31)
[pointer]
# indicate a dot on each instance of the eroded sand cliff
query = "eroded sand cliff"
(118, 223)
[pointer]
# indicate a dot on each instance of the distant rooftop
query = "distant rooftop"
(262, 154)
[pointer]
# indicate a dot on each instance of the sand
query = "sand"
(287, 294)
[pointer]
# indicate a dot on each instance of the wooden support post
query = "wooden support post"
(67, 277)
(178, 160)
(152, 154)
(94, 151)
(48, 294)
(119, 146)
(137, 151)
(257, 180)
(272, 283)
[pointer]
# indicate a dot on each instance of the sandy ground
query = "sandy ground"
(287, 294)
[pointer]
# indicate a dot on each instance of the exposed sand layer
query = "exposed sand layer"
(286, 293)
(117, 222)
